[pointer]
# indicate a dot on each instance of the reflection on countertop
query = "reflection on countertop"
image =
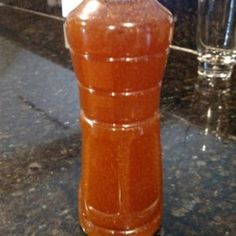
(40, 138)
(207, 103)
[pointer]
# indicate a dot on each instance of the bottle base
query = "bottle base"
(159, 232)
(149, 229)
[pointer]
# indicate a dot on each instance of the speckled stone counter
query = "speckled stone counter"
(40, 138)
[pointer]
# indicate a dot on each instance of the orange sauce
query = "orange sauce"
(119, 52)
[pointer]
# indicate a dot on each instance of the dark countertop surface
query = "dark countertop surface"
(40, 137)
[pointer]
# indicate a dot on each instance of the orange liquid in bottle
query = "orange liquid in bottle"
(119, 52)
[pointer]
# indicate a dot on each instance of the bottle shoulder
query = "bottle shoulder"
(118, 29)
(119, 12)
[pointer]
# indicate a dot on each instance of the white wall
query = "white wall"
(69, 5)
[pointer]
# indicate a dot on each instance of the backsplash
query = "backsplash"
(185, 12)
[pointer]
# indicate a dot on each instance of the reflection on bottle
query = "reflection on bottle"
(212, 101)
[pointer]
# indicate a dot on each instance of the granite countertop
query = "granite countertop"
(40, 137)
